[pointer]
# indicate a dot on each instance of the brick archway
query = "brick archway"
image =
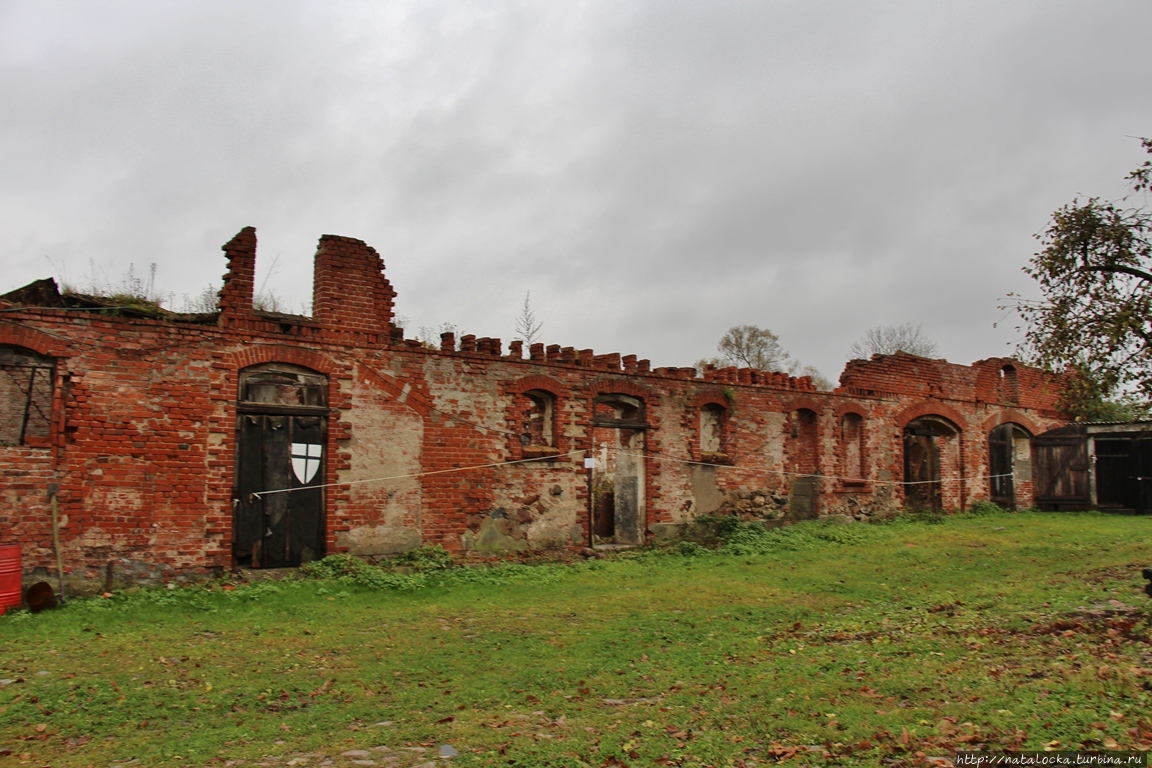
(29, 338)
(917, 410)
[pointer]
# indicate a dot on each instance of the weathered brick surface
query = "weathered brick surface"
(144, 419)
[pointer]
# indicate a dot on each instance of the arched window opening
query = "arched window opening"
(537, 419)
(615, 410)
(25, 397)
(284, 385)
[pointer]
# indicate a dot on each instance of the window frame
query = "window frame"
(14, 357)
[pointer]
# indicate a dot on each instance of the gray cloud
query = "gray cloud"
(653, 171)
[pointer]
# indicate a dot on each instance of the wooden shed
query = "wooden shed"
(1099, 465)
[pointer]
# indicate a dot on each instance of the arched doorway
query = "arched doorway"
(618, 515)
(931, 455)
(1009, 463)
(281, 431)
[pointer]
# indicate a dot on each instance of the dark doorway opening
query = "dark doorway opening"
(923, 459)
(1000, 450)
(1124, 473)
(618, 515)
(1009, 463)
(281, 436)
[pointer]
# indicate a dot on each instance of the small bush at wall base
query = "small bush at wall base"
(923, 515)
(350, 569)
(984, 507)
(425, 558)
(690, 549)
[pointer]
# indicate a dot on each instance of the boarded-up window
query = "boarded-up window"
(25, 397)
(852, 448)
(803, 448)
(711, 429)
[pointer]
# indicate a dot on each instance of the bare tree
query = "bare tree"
(265, 299)
(890, 339)
(527, 327)
(749, 346)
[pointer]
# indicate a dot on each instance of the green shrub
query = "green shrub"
(426, 558)
(349, 569)
(985, 507)
(690, 549)
(436, 570)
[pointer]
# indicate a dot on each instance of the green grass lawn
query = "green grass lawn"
(817, 645)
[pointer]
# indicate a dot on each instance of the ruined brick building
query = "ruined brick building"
(189, 443)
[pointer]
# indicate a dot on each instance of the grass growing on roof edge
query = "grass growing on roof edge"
(851, 643)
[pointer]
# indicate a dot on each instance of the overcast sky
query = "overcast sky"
(654, 172)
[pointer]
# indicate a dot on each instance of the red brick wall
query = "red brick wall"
(144, 425)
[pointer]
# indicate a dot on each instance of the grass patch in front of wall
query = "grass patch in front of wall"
(840, 645)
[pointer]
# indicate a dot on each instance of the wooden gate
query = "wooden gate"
(278, 510)
(1060, 467)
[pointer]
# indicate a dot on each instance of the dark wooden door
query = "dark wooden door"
(921, 469)
(284, 454)
(1000, 465)
(1060, 468)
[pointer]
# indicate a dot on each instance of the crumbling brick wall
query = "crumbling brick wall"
(428, 445)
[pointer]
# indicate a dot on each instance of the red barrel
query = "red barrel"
(10, 577)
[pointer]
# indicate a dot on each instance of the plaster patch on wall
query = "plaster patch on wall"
(378, 540)
(705, 493)
(554, 529)
(386, 441)
(497, 536)
(476, 398)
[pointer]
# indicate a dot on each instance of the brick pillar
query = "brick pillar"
(349, 291)
(235, 298)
